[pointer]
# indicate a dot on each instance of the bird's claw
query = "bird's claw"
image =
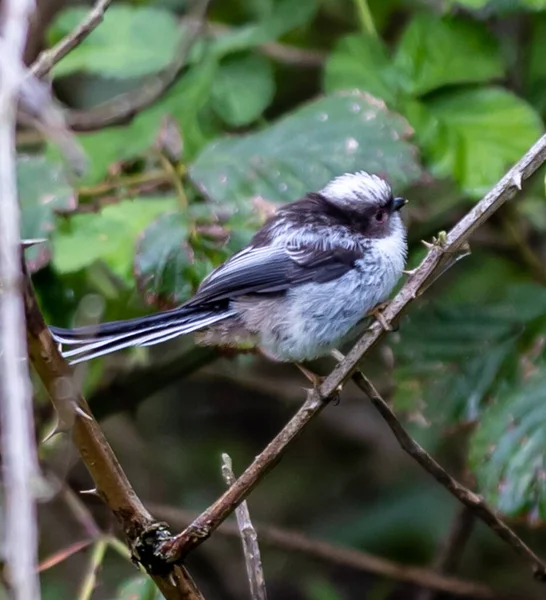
(377, 312)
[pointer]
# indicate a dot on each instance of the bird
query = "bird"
(309, 277)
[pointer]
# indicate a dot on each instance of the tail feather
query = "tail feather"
(86, 343)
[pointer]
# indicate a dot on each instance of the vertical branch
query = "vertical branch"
(249, 537)
(20, 467)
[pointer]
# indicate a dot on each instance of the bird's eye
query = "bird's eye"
(381, 216)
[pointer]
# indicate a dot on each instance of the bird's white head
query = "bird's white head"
(353, 189)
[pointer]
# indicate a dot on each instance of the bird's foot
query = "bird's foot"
(317, 381)
(377, 312)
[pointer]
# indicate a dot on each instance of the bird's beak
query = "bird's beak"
(399, 202)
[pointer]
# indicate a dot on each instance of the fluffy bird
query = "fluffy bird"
(304, 283)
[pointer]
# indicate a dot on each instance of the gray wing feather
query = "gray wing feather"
(273, 269)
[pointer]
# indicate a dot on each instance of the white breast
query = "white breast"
(393, 249)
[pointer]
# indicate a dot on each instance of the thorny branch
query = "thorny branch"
(19, 459)
(111, 483)
(74, 415)
(439, 258)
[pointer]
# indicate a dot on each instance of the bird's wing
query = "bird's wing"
(269, 269)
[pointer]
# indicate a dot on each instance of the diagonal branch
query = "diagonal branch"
(472, 501)
(49, 58)
(437, 260)
(128, 104)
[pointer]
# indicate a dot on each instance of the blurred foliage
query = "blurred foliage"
(276, 98)
(131, 42)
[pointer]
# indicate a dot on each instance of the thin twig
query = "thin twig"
(61, 555)
(194, 535)
(332, 554)
(472, 501)
(90, 577)
(19, 458)
(281, 52)
(126, 105)
(249, 537)
(49, 58)
(436, 262)
(451, 550)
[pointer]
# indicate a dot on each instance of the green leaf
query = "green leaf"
(184, 102)
(535, 77)
(140, 587)
(360, 61)
(243, 88)
(437, 52)
(534, 4)
(279, 18)
(108, 236)
(43, 190)
(451, 358)
(164, 262)
(106, 148)
(480, 132)
(303, 151)
(501, 7)
(472, 4)
(284, 16)
(507, 450)
(130, 42)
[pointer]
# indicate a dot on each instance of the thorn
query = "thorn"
(33, 242)
(79, 411)
(427, 244)
(90, 492)
(52, 434)
(517, 179)
(58, 427)
(409, 272)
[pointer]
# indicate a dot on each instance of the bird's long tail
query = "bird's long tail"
(85, 343)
